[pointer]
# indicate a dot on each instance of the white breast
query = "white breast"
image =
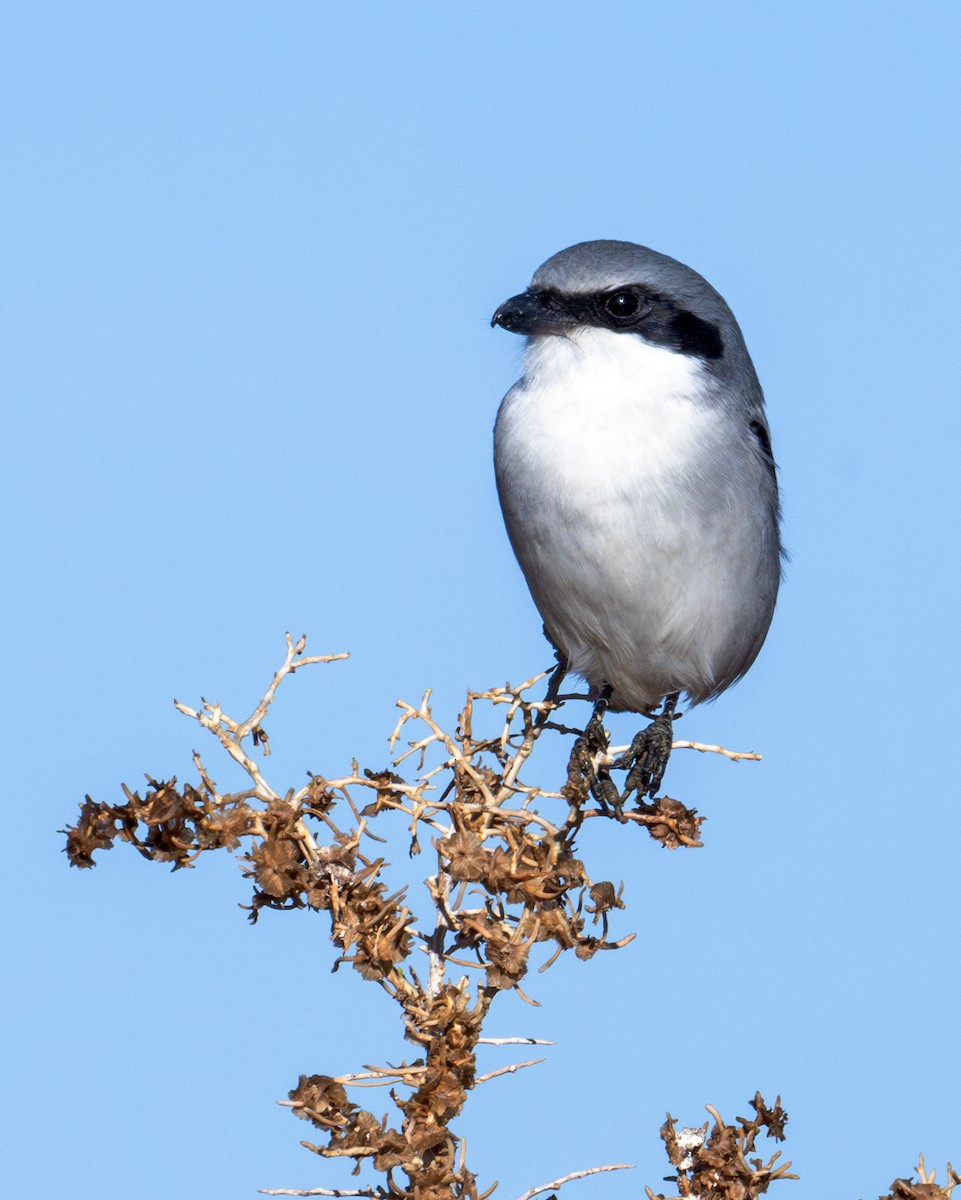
(632, 502)
(601, 406)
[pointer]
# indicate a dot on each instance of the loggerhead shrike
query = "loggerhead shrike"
(635, 474)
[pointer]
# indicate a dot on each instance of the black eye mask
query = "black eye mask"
(635, 309)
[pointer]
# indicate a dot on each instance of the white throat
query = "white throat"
(610, 406)
(612, 359)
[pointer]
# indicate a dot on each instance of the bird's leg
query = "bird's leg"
(596, 741)
(557, 675)
(646, 759)
(554, 683)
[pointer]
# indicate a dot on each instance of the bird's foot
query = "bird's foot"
(596, 742)
(646, 759)
(583, 776)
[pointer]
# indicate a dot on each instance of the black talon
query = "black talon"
(594, 741)
(646, 760)
(605, 793)
(583, 778)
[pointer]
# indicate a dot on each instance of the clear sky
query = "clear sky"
(250, 254)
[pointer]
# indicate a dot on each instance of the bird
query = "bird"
(639, 490)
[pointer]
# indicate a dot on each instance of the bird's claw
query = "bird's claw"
(582, 773)
(647, 757)
(596, 741)
(596, 737)
(646, 760)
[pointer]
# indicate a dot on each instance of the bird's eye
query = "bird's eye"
(622, 304)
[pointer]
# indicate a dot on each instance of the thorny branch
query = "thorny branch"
(506, 886)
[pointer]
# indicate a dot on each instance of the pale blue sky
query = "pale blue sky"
(250, 254)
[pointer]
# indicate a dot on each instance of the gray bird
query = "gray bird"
(636, 479)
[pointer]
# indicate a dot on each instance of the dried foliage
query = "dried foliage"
(715, 1164)
(506, 888)
(506, 880)
(926, 1187)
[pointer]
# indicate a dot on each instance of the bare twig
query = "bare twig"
(556, 1183)
(531, 1062)
(513, 1041)
(231, 733)
(439, 888)
(373, 1193)
(734, 755)
(293, 661)
(424, 713)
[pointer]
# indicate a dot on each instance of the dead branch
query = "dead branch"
(532, 1062)
(374, 1193)
(513, 1041)
(505, 893)
(556, 1183)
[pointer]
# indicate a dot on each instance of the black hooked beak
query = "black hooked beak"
(532, 312)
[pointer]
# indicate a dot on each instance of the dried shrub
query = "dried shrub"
(507, 889)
